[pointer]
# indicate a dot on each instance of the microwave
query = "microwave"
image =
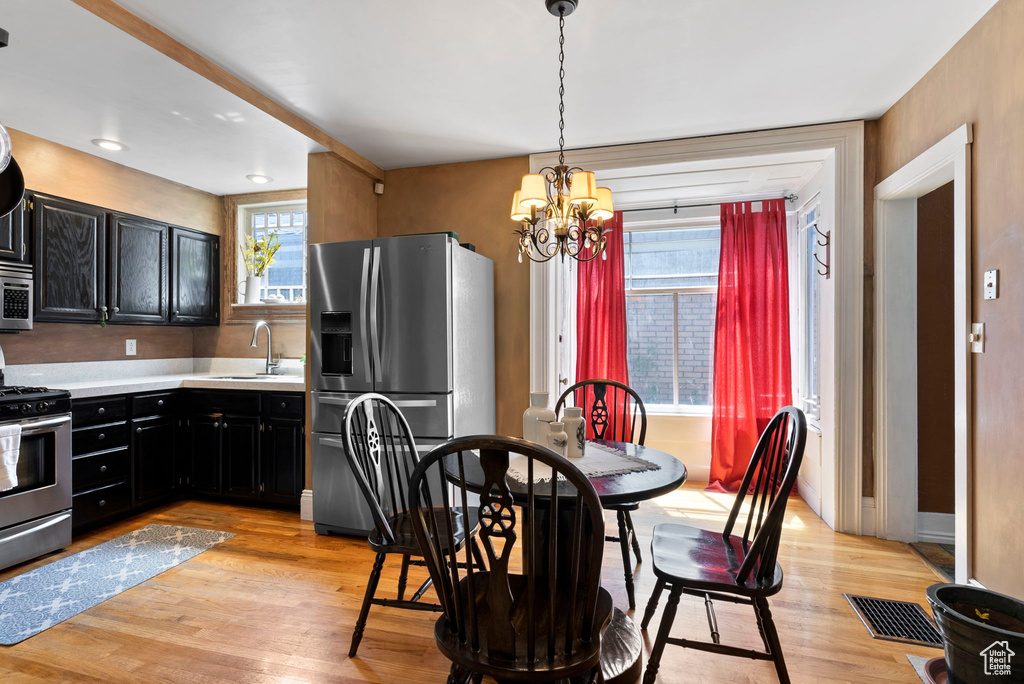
(15, 297)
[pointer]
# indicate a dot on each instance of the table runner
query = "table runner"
(599, 460)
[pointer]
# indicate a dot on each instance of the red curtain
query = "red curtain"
(752, 376)
(601, 314)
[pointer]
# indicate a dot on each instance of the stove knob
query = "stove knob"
(41, 406)
(25, 408)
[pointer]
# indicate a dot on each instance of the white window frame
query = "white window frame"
(245, 226)
(676, 409)
(803, 326)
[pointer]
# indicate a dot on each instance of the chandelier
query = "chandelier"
(561, 210)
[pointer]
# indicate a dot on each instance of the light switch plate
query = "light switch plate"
(992, 284)
(129, 347)
(978, 338)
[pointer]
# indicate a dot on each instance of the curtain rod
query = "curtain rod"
(791, 197)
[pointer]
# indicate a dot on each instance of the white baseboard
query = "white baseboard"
(867, 516)
(698, 473)
(938, 528)
(306, 505)
(809, 495)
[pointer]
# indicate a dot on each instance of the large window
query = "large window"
(286, 276)
(808, 312)
(671, 292)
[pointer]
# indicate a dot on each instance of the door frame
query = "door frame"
(896, 341)
(842, 473)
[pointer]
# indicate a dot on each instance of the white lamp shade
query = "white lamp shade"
(519, 212)
(604, 209)
(534, 192)
(583, 188)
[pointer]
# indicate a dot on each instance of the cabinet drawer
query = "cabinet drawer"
(86, 412)
(102, 438)
(247, 403)
(108, 466)
(284, 405)
(100, 503)
(154, 404)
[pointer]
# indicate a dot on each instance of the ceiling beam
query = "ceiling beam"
(118, 16)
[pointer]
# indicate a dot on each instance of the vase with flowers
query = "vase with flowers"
(257, 255)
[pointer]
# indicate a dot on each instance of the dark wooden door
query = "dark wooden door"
(13, 243)
(241, 455)
(153, 442)
(283, 461)
(206, 453)
(138, 281)
(195, 264)
(70, 260)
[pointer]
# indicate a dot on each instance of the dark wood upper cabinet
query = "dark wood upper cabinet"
(195, 285)
(138, 282)
(70, 260)
(13, 241)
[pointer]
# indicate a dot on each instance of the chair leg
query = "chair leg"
(652, 605)
(627, 561)
(371, 589)
(403, 578)
(632, 534)
(771, 637)
(460, 675)
(663, 631)
(478, 555)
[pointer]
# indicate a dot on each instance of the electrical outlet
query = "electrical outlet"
(129, 347)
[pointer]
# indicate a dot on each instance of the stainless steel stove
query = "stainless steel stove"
(35, 484)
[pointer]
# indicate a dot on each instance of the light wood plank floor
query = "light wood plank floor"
(277, 603)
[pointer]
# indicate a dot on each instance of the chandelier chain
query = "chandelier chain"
(561, 87)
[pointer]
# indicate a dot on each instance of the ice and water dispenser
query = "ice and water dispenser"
(336, 342)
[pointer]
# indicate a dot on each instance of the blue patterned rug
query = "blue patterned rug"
(49, 595)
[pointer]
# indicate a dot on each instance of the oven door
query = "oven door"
(44, 471)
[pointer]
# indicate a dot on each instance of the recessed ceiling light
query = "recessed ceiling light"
(112, 145)
(258, 178)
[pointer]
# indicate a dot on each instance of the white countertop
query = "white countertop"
(103, 378)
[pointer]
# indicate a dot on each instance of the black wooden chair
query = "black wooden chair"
(538, 620)
(613, 411)
(380, 448)
(725, 567)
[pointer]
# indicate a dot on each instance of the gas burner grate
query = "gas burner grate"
(895, 620)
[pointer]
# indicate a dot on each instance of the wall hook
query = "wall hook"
(824, 240)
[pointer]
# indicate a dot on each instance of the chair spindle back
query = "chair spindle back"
(611, 410)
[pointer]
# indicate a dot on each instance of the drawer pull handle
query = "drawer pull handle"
(103, 469)
(160, 402)
(101, 410)
(284, 405)
(101, 437)
(103, 502)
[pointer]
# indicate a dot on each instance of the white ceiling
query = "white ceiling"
(68, 76)
(411, 82)
(408, 82)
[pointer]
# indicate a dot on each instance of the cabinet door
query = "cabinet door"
(183, 473)
(138, 291)
(13, 245)
(195, 291)
(70, 260)
(283, 461)
(241, 455)
(206, 453)
(153, 454)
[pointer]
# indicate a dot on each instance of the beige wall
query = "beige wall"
(980, 81)
(473, 199)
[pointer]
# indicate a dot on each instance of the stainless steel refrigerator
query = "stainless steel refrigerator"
(412, 318)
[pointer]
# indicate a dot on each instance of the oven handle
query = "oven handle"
(37, 426)
(42, 526)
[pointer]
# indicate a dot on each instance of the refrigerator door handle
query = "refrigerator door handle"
(332, 442)
(362, 311)
(415, 403)
(374, 334)
(333, 401)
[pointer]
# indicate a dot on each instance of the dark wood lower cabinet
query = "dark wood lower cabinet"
(137, 451)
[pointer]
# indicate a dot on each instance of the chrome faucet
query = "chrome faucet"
(271, 365)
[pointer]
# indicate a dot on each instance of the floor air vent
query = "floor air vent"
(895, 620)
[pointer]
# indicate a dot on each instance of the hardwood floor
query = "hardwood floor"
(277, 604)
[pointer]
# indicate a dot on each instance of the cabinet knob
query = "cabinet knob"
(216, 423)
(116, 309)
(225, 425)
(103, 469)
(101, 437)
(103, 502)
(138, 430)
(174, 313)
(159, 402)
(284, 405)
(101, 410)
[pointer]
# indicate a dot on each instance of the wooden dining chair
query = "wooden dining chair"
(382, 453)
(616, 412)
(736, 568)
(537, 614)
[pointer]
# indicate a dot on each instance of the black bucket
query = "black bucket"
(982, 631)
